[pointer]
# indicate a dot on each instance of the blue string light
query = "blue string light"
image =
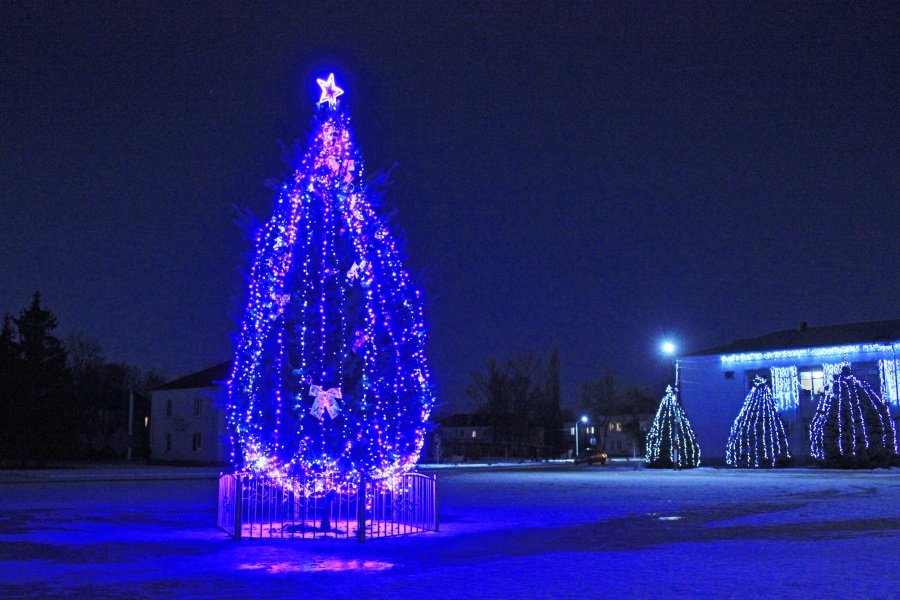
(758, 437)
(852, 425)
(671, 440)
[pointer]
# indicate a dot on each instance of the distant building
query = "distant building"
(185, 426)
(468, 436)
(798, 363)
(623, 436)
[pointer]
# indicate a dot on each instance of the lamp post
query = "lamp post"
(668, 349)
(584, 419)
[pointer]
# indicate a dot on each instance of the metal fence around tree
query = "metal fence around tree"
(256, 507)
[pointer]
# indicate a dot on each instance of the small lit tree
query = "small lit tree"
(853, 426)
(671, 441)
(758, 438)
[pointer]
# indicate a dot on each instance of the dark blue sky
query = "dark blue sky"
(591, 176)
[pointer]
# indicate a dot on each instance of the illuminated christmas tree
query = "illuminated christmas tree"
(853, 426)
(330, 380)
(758, 438)
(671, 440)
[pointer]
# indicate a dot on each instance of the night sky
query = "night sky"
(593, 176)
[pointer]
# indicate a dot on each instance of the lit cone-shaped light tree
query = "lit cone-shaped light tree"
(671, 440)
(330, 381)
(853, 426)
(758, 438)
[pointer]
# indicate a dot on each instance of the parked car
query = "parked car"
(591, 456)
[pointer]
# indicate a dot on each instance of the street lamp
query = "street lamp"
(668, 349)
(584, 419)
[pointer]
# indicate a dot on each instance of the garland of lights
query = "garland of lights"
(757, 438)
(786, 387)
(671, 425)
(802, 353)
(329, 380)
(852, 425)
(888, 370)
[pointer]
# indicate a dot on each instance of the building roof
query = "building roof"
(201, 379)
(813, 337)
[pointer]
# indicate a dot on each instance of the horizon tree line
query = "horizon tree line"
(518, 396)
(62, 400)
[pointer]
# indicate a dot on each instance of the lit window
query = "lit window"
(146, 422)
(474, 433)
(571, 431)
(812, 381)
(591, 430)
(618, 426)
(612, 426)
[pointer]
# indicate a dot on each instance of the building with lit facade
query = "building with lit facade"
(799, 364)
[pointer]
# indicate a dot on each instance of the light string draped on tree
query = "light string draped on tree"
(330, 380)
(671, 440)
(853, 426)
(758, 438)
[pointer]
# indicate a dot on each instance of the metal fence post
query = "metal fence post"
(361, 512)
(238, 504)
(437, 524)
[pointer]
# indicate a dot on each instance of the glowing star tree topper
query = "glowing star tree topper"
(329, 378)
(330, 91)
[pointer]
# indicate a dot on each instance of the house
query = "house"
(798, 363)
(185, 424)
(471, 437)
(622, 436)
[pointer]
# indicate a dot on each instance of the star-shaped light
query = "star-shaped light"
(330, 91)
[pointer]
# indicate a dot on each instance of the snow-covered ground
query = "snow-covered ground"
(552, 531)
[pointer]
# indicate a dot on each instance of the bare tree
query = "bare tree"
(638, 408)
(601, 400)
(512, 399)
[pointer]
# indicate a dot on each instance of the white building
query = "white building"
(798, 363)
(185, 424)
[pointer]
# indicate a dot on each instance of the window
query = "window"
(812, 381)
(169, 407)
(571, 431)
(146, 422)
(474, 433)
(168, 442)
(612, 426)
(195, 442)
(196, 407)
(591, 430)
